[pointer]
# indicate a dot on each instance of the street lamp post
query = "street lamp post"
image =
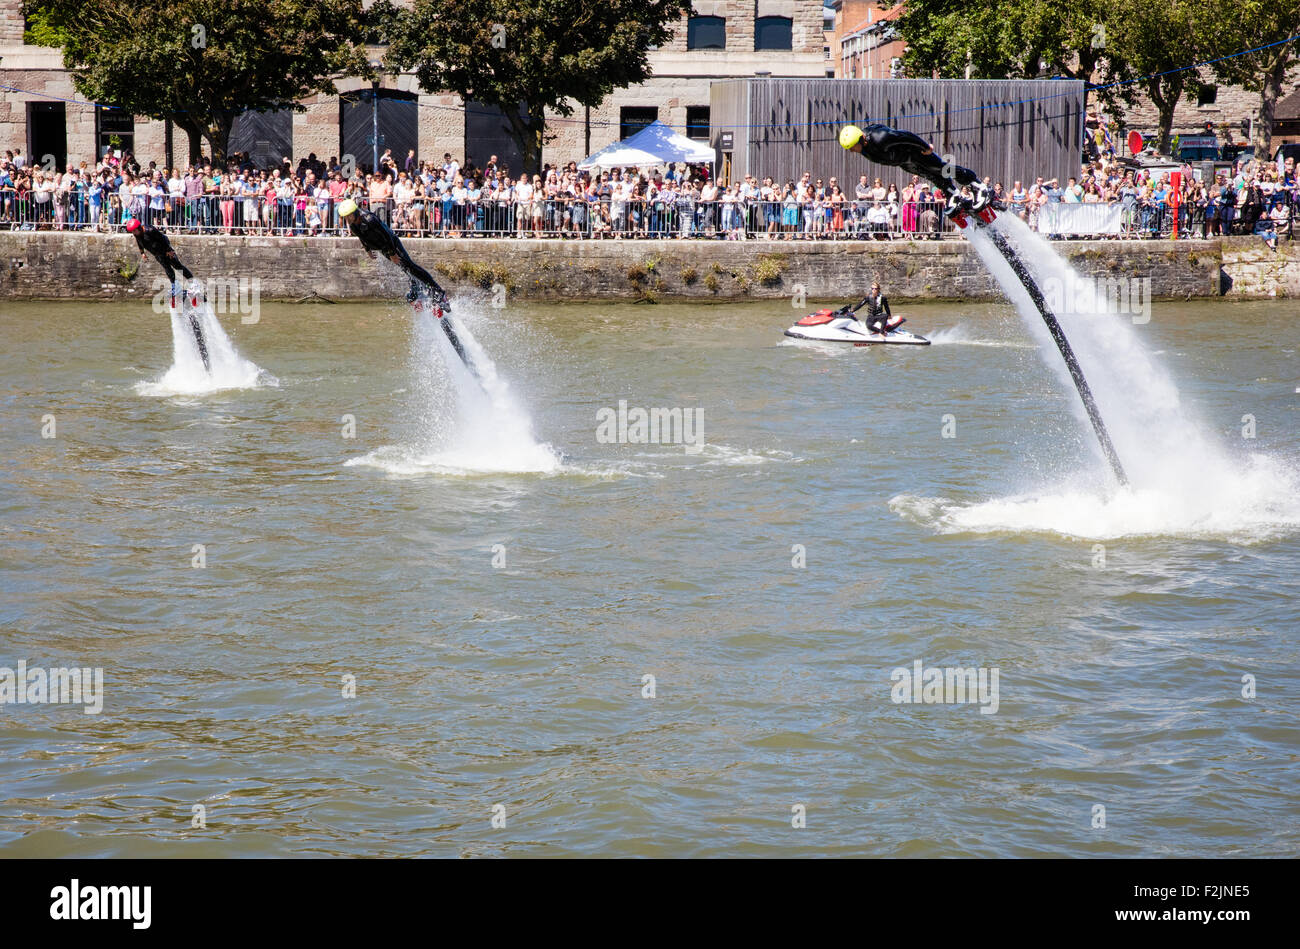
(374, 126)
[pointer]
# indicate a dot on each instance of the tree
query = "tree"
(1149, 45)
(536, 54)
(200, 63)
(1007, 39)
(1253, 23)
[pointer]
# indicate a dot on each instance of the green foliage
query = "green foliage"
(480, 274)
(1004, 39)
(547, 54)
(42, 28)
(768, 269)
(1103, 41)
(1149, 42)
(202, 62)
(1253, 23)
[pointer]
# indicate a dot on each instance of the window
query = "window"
(116, 130)
(1206, 95)
(633, 118)
(773, 32)
(697, 122)
(706, 32)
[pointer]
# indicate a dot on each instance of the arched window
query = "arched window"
(706, 32)
(773, 32)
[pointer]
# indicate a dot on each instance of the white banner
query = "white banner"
(1070, 220)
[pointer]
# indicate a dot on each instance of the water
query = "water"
(1183, 480)
(521, 685)
(225, 369)
(470, 422)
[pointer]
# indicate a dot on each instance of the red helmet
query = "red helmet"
(133, 225)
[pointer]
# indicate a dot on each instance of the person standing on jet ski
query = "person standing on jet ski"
(877, 304)
(906, 150)
(154, 242)
(376, 238)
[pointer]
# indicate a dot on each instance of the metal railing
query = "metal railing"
(550, 216)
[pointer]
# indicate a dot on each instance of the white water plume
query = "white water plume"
(468, 422)
(192, 316)
(1182, 481)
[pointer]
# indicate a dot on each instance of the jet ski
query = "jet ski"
(841, 326)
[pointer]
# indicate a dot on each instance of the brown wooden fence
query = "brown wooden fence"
(1007, 129)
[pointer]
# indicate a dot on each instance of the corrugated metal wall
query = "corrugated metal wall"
(1006, 129)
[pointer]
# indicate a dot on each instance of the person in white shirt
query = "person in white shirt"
(709, 207)
(618, 206)
(523, 196)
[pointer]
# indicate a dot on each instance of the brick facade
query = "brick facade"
(11, 23)
(1232, 104)
(681, 79)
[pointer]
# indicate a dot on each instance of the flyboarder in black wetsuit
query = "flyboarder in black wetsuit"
(154, 242)
(376, 238)
(906, 150)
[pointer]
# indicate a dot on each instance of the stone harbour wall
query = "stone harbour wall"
(59, 265)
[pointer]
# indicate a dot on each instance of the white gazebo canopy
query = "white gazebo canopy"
(656, 144)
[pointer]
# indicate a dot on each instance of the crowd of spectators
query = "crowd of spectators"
(427, 198)
(1256, 198)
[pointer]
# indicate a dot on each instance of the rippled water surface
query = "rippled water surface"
(1121, 623)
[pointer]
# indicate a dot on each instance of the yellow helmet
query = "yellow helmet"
(347, 207)
(850, 135)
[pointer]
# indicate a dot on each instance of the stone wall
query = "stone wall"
(48, 265)
(11, 22)
(1231, 105)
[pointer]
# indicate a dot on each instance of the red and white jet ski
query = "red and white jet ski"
(841, 326)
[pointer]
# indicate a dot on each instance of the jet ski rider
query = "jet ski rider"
(877, 313)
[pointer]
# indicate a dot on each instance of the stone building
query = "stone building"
(866, 44)
(42, 114)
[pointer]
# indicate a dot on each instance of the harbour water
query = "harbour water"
(342, 614)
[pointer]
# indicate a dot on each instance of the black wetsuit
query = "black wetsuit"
(906, 150)
(877, 313)
(378, 239)
(155, 243)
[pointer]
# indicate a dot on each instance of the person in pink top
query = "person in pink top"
(337, 188)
